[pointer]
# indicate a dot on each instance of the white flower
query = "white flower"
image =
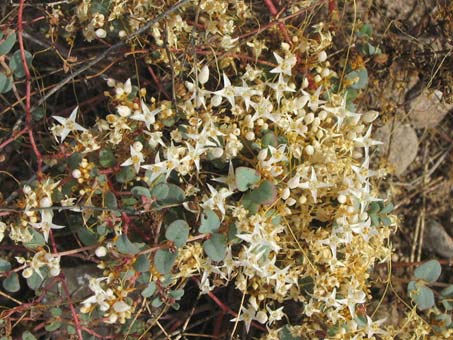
(284, 65)
(146, 116)
(46, 223)
(68, 125)
(217, 199)
(123, 110)
(227, 92)
(203, 76)
(136, 158)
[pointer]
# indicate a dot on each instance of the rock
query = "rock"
(437, 239)
(400, 145)
(427, 110)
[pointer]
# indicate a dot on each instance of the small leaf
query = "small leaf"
(160, 191)
(386, 221)
(178, 232)
(11, 283)
(285, 334)
(28, 336)
(36, 241)
(149, 290)
(107, 158)
(5, 266)
(139, 191)
(246, 178)
(126, 174)
(358, 78)
(53, 326)
(74, 161)
(87, 237)
(110, 200)
(7, 44)
(5, 83)
(177, 294)
(174, 196)
(269, 139)
(56, 311)
(164, 260)
(428, 271)
(215, 247)
(157, 302)
(142, 263)
(266, 193)
(422, 295)
(387, 209)
(35, 281)
(210, 222)
(125, 246)
(16, 65)
(373, 207)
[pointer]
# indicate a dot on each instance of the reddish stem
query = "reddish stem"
(71, 307)
(273, 10)
(28, 120)
(13, 138)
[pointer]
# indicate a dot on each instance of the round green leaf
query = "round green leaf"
(422, 295)
(125, 246)
(246, 178)
(428, 271)
(35, 281)
(107, 158)
(7, 44)
(215, 247)
(359, 78)
(11, 283)
(210, 222)
(142, 263)
(149, 290)
(139, 191)
(110, 200)
(16, 65)
(126, 174)
(178, 232)
(164, 260)
(5, 83)
(36, 241)
(28, 336)
(5, 266)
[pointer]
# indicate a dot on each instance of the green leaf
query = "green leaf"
(359, 78)
(5, 266)
(28, 336)
(428, 271)
(7, 44)
(53, 326)
(374, 220)
(365, 31)
(38, 113)
(126, 174)
(87, 237)
(285, 334)
(178, 232)
(56, 311)
(422, 295)
(110, 200)
(36, 241)
(264, 194)
(386, 221)
(177, 294)
(373, 207)
(142, 263)
(11, 283)
(167, 194)
(157, 302)
(149, 290)
(387, 209)
(210, 222)
(164, 260)
(74, 160)
(35, 281)
(216, 247)
(246, 178)
(269, 139)
(125, 246)
(107, 158)
(5, 83)
(139, 191)
(16, 65)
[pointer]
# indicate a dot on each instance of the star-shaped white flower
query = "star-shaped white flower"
(284, 64)
(136, 158)
(46, 224)
(366, 142)
(147, 116)
(68, 125)
(313, 185)
(227, 92)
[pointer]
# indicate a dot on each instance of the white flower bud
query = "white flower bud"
(322, 56)
(309, 150)
(27, 272)
(317, 78)
(76, 173)
(250, 135)
(55, 271)
(342, 199)
(302, 199)
(122, 34)
(124, 111)
(27, 189)
(121, 307)
(45, 202)
(203, 76)
(111, 82)
(101, 33)
(100, 251)
(137, 146)
(285, 194)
